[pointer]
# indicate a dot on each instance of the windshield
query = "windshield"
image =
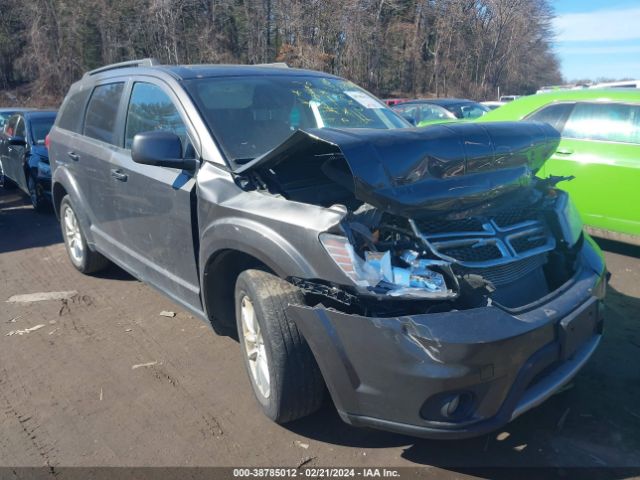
(467, 110)
(251, 115)
(40, 129)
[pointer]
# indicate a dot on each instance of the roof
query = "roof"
(442, 101)
(523, 106)
(40, 113)
(15, 109)
(188, 72)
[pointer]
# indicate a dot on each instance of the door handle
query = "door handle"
(73, 156)
(564, 151)
(118, 175)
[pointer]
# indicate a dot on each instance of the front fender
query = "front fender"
(257, 240)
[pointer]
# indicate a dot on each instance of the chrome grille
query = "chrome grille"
(507, 237)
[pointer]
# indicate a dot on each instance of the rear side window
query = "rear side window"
(612, 122)
(100, 120)
(70, 117)
(555, 115)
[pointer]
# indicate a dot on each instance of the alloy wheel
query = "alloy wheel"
(73, 235)
(254, 347)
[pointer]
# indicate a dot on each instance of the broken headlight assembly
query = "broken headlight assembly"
(568, 218)
(400, 275)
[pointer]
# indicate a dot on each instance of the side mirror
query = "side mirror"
(162, 149)
(17, 141)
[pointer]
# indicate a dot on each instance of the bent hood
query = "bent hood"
(443, 167)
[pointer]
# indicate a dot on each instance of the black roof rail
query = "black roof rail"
(145, 62)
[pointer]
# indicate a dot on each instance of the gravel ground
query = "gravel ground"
(107, 380)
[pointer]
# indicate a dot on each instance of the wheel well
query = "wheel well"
(58, 194)
(220, 275)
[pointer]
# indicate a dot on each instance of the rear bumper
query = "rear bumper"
(404, 374)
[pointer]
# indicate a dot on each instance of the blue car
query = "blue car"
(24, 158)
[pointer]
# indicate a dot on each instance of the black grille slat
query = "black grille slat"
(528, 242)
(509, 218)
(435, 226)
(509, 273)
(470, 253)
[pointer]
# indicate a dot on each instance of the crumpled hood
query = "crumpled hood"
(442, 167)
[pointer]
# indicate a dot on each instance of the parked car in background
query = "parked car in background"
(600, 147)
(433, 294)
(421, 114)
(6, 113)
(431, 111)
(24, 159)
(493, 104)
(509, 98)
(621, 84)
(395, 101)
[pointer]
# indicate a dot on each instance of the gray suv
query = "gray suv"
(424, 277)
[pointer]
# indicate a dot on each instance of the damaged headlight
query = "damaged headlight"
(418, 279)
(568, 219)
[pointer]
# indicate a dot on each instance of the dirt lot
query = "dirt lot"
(73, 393)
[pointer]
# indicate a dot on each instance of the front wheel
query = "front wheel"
(284, 375)
(82, 257)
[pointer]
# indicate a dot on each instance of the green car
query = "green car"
(600, 147)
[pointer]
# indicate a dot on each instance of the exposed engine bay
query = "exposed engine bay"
(449, 217)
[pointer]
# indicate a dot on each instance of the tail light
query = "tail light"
(47, 141)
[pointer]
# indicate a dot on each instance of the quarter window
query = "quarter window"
(102, 111)
(555, 115)
(71, 113)
(151, 109)
(611, 122)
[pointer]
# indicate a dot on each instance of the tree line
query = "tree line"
(409, 48)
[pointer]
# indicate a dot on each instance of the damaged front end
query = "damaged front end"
(463, 291)
(450, 217)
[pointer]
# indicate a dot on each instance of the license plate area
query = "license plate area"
(577, 328)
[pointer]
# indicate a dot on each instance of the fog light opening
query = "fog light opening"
(449, 407)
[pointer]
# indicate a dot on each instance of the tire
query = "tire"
(38, 199)
(82, 257)
(295, 387)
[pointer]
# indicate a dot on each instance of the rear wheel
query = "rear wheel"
(284, 375)
(81, 256)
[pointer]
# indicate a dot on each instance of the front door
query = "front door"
(153, 204)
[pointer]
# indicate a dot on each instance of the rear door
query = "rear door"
(90, 155)
(601, 147)
(6, 150)
(153, 205)
(15, 154)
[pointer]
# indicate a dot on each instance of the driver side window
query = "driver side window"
(151, 109)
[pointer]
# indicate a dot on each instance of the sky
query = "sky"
(598, 38)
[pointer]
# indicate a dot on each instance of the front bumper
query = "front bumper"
(457, 374)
